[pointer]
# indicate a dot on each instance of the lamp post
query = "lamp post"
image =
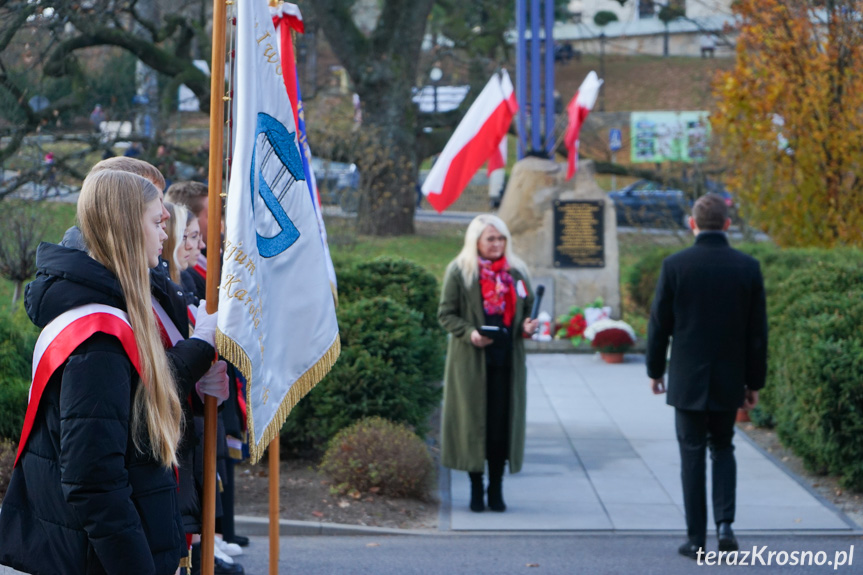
(435, 74)
(601, 69)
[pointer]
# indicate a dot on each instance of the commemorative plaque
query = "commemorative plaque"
(578, 234)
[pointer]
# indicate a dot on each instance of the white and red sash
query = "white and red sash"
(192, 312)
(201, 266)
(60, 338)
(167, 330)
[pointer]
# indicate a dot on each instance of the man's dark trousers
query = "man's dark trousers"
(696, 431)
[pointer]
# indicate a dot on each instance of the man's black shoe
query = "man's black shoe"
(727, 540)
(690, 549)
(240, 540)
(221, 567)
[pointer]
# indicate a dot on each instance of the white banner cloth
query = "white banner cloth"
(277, 319)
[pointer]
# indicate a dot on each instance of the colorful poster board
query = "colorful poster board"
(669, 136)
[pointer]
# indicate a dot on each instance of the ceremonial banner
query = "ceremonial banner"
(277, 320)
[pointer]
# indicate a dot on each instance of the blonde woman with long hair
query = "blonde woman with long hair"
(485, 306)
(94, 487)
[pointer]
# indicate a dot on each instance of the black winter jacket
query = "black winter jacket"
(83, 499)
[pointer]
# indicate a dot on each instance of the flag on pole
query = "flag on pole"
(475, 139)
(287, 17)
(277, 320)
(577, 110)
(497, 160)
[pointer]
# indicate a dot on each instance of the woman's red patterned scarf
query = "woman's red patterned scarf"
(498, 291)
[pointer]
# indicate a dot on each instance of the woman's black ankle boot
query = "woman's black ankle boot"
(495, 487)
(476, 492)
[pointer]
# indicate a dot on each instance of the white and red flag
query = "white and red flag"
(286, 18)
(497, 160)
(578, 109)
(476, 138)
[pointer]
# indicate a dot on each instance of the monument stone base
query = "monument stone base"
(564, 230)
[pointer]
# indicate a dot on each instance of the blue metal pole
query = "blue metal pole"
(549, 76)
(521, 75)
(535, 67)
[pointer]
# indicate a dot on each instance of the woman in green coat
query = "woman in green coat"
(486, 290)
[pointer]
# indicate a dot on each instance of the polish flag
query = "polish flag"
(578, 109)
(476, 138)
(287, 17)
(497, 160)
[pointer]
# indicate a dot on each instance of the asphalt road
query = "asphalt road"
(547, 553)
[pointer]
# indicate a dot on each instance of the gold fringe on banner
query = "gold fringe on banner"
(231, 351)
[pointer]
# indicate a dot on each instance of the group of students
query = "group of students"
(108, 475)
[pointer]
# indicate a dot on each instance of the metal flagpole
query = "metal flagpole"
(214, 235)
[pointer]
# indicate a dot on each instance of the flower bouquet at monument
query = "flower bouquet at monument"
(611, 338)
(573, 325)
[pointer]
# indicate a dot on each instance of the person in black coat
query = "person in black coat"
(710, 301)
(94, 490)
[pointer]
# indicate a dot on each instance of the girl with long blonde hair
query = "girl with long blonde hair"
(111, 202)
(94, 488)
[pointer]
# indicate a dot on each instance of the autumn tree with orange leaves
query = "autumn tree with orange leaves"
(789, 118)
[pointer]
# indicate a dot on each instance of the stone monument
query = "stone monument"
(566, 232)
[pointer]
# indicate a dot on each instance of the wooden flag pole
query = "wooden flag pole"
(273, 455)
(214, 244)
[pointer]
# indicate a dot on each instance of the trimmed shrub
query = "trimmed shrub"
(14, 393)
(789, 297)
(402, 280)
(390, 366)
(643, 277)
(7, 458)
(17, 340)
(376, 453)
(814, 393)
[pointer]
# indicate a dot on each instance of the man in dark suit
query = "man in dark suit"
(710, 301)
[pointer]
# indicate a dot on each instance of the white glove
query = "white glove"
(205, 324)
(214, 382)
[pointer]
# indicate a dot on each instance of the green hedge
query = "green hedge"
(17, 339)
(814, 393)
(390, 366)
(399, 279)
(642, 278)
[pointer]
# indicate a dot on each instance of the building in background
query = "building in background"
(640, 31)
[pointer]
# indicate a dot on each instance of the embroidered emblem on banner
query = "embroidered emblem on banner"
(279, 168)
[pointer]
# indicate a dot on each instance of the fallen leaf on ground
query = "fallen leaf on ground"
(374, 489)
(317, 514)
(344, 504)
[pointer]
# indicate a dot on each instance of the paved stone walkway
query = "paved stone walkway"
(601, 455)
